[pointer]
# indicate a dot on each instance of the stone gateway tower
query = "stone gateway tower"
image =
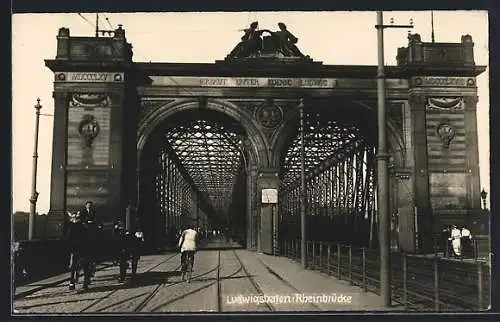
(120, 126)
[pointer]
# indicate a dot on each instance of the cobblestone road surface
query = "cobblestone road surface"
(224, 280)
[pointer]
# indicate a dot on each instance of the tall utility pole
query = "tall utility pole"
(303, 259)
(432, 26)
(97, 25)
(382, 167)
(34, 193)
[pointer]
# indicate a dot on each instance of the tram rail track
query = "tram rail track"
(142, 304)
(217, 283)
(99, 267)
(100, 300)
(253, 282)
(143, 300)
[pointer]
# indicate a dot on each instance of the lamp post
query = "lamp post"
(382, 167)
(302, 188)
(484, 194)
(34, 193)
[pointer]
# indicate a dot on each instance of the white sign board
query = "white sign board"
(269, 196)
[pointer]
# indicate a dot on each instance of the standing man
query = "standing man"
(122, 239)
(466, 242)
(88, 214)
(455, 237)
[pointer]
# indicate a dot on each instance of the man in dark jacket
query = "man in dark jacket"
(88, 212)
(78, 240)
(89, 218)
(129, 248)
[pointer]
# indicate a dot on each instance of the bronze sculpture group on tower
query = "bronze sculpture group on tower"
(253, 44)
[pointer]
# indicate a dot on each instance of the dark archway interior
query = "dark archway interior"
(193, 171)
(339, 164)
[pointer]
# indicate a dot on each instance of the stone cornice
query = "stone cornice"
(253, 69)
(161, 91)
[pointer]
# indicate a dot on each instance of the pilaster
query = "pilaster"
(267, 187)
(57, 212)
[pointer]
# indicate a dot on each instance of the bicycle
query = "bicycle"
(187, 267)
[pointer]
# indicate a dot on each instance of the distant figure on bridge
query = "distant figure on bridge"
(455, 237)
(19, 261)
(466, 242)
(446, 241)
(78, 240)
(187, 244)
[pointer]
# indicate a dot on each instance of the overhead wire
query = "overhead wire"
(109, 23)
(88, 21)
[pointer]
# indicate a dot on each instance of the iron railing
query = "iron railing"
(419, 282)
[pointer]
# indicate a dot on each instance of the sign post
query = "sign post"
(270, 197)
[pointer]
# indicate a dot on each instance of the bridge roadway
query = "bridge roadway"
(226, 278)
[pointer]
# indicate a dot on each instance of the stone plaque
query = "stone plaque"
(436, 81)
(89, 77)
(266, 82)
(448, 190)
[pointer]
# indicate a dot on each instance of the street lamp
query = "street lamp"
(34, 193)
(484, 194)
(382, 166)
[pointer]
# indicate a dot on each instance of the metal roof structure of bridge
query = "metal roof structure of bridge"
(209, 149)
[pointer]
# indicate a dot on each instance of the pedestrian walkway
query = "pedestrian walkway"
(284, 276)
(226, 278)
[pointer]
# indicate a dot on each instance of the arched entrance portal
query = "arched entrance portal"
(194, 165)
(340, 139)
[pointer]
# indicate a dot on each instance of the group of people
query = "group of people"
(459, 241)
(87, 246)
(88, 243)
(82, 235)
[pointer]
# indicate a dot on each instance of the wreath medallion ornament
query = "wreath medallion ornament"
(269, 115)
(88, 129)
(446, 133)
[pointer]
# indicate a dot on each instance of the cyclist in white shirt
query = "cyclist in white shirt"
(187, 244)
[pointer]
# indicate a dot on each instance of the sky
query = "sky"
(334, 38)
